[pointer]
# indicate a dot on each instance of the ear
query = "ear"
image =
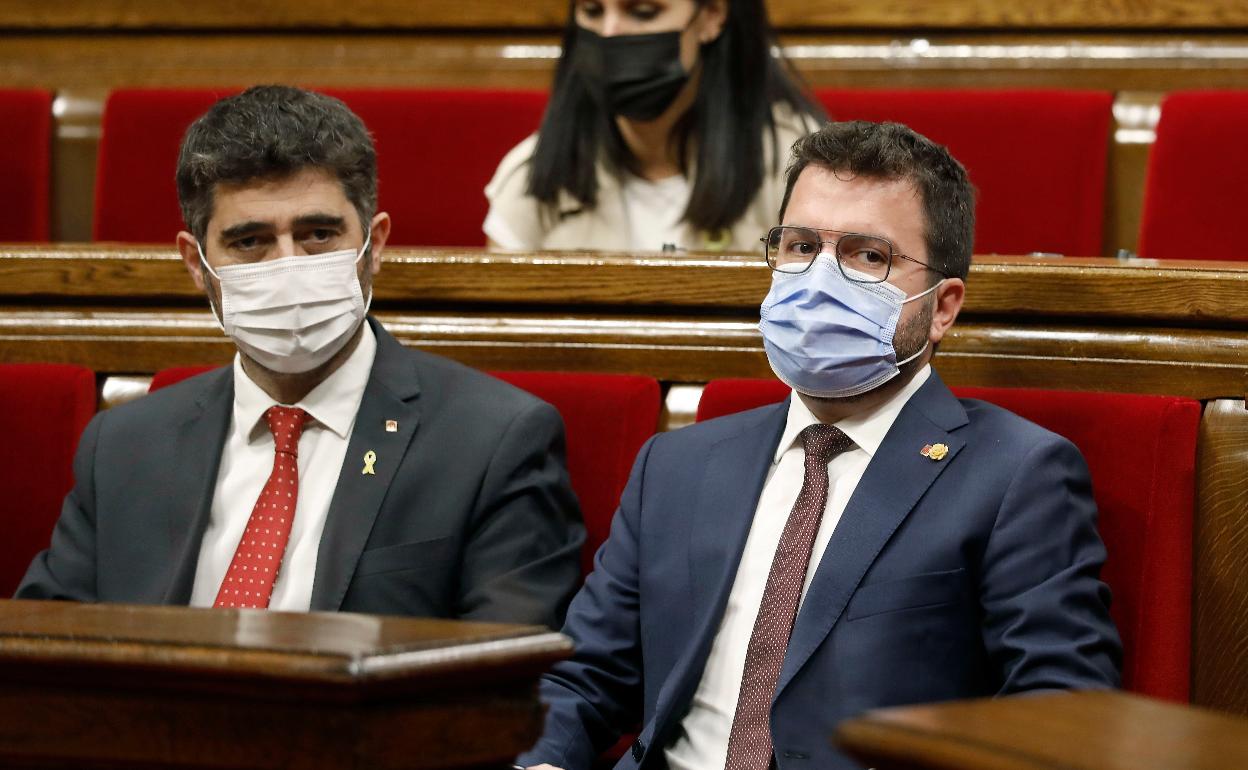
(187, 247)
(949, 297)
(381, 233)
(711, 20)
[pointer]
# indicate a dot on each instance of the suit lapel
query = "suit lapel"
(896, 478)
(391, 394)
(200, 441)
(733, 473)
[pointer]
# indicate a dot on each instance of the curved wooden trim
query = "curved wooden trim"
(451, 14)
(1208, 294)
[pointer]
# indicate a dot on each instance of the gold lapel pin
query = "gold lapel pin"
(392, 426)
(370, 457)
(935, 452)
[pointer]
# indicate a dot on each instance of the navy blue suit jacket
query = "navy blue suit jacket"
(974, 575)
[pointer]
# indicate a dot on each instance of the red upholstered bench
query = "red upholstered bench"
(43, 409)
(1141, 451)
(25, 156)
(607, 418)
(1037, 158)
(1193, 197)
(436, 149)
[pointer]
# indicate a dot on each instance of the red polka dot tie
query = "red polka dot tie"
(249, 580)
(749, 743)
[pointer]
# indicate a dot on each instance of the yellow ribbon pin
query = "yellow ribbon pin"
(370, 457)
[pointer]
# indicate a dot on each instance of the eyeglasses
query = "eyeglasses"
(792, 249)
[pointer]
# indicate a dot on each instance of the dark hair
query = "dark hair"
(274, 131)
(894, 151)
(740, 80)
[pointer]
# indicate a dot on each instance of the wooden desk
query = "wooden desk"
(86, 686)
(1066, 731)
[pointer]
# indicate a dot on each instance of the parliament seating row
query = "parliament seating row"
(1038, 159)
(1141, 451)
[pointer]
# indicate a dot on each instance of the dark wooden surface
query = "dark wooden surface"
(1064, 731)
(1220, 601)
(833, 14)
(113, 685)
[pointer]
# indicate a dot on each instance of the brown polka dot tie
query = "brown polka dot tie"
(249, 580)
(749, 744)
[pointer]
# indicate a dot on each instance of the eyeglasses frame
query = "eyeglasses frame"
(892, 252)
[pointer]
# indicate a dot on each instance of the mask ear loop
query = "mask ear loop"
(368, 240)
(928, 343)
(204, 260)
(218, 314)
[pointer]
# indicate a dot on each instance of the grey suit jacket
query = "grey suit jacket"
(469, 515)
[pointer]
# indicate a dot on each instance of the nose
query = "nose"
(612, 20)
(287, 246)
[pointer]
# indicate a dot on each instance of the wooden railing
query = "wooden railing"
(1023, 15)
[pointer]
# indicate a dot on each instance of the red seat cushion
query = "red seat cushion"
(1141, 452)
(166, 377)
(1037, 158)
(43, 409)
(729, 396)
(607, 418)
(25, 156)
(436, 150)
(1193, 199)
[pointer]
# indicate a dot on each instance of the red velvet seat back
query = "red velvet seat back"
(43, 409)
(607, 418)
(1141, 452)
(166, 377)
(435, 152)
(1193, 197)
(1037, 158)
(25, 157)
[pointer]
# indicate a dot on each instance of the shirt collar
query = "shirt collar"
(866, 430)
(333, 403)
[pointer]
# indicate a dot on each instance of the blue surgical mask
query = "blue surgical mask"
(828, 336)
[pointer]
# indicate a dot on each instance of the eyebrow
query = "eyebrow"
(252, 227)
(244, 229)
(321, 220)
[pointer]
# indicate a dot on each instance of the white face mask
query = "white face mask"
(292, 314)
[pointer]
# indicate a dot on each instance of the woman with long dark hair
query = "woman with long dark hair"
(669, 124)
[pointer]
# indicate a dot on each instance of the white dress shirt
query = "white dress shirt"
(703, 740)
(247, 460)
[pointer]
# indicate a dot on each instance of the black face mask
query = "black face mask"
(632, 76)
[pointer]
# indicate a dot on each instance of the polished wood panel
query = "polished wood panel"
(109, 685)
(1079, 323)
(400, 14)
(1138, 62)
(1063, 731)
(1220, 603)
(1174, 291)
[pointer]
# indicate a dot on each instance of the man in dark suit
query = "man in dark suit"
(329, 468)
(872, 541)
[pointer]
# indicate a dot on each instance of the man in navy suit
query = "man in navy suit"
(872, 541)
